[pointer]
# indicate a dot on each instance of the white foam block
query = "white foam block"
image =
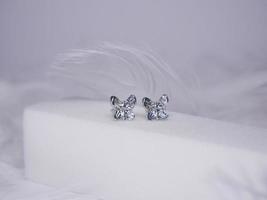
(78, 144)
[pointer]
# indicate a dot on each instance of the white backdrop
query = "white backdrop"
(186, 33)
(210, 56)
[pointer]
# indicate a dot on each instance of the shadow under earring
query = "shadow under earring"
(156, 110)
(123, 110)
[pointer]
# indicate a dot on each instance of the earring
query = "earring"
(123, 110)
(156, 110)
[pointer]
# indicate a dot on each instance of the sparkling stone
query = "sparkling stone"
(156, 110)
(123, 110)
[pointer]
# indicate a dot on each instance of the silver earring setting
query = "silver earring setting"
(156, 110)
(123, 110)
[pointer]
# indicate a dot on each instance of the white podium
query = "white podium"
(77, 144)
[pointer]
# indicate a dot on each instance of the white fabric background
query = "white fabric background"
(210, 56)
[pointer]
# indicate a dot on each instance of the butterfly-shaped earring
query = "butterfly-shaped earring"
(123, 110)
(156, 110)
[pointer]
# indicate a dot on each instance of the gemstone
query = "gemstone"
(123, 110)
(156, 110)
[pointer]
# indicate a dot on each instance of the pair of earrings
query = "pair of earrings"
(155, 110)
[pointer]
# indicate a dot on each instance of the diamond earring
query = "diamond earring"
(123, 110)
(156, 110)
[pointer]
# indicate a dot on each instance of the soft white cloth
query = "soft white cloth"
(13, 186)
(118, 70)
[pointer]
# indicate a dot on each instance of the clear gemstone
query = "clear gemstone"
(123, 110)
(156, 110)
